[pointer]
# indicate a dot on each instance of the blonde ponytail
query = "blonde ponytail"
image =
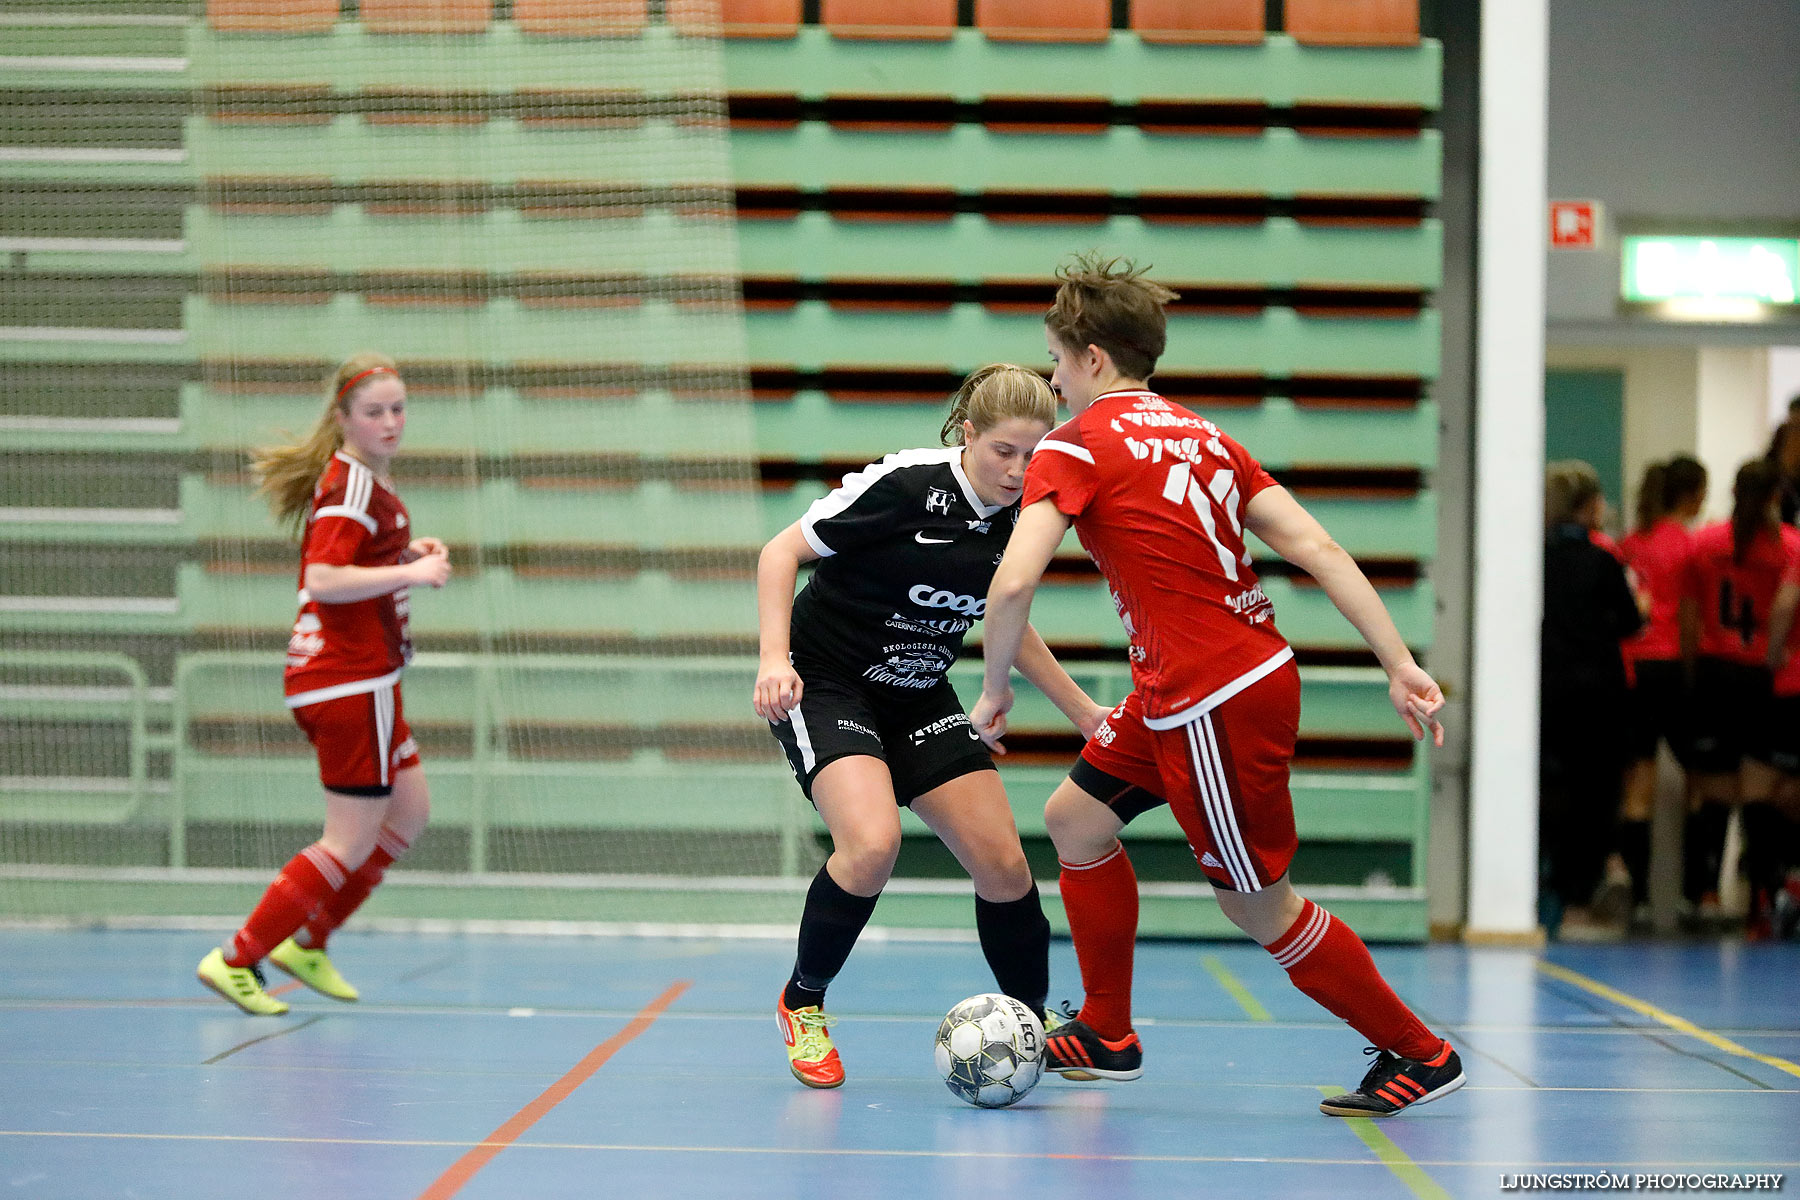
(996, 393)
(287, 474)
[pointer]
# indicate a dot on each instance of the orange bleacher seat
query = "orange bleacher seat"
(426, 16)
(582, 18)
(736, 18)
(1354, 22)
(896, 19)
(272, 16)
(1045, 20)
(1182, 22)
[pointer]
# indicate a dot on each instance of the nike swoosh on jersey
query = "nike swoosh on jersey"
(925, 541)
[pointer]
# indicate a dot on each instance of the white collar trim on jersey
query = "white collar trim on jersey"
(984, 511)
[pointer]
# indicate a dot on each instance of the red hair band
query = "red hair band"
(359, 377)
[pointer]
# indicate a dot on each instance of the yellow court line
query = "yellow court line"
(1232, 984)
(1679, 1024)
(1393, 1157)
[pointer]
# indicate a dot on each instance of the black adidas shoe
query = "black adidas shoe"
(1395, 1083)
(1074, 1051)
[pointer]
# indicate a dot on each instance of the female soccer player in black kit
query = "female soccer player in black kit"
(853, 682)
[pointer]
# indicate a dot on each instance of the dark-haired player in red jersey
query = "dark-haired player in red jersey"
(358, 559)
(1160, 498)
(1734, 569)
(1780, 860)
(1656, 552)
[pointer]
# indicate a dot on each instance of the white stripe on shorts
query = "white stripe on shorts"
(802, 739)
(384, 729)
(1215, 795)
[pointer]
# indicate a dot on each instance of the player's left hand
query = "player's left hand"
(1090, 723)
(1418, 699)
(988, 718)
(420, 547)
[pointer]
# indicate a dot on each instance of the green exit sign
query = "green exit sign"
(1702, 268)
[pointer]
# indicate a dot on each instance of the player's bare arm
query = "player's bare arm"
(1781, 623)
(1279, 520)
(778, 685)
(331, 584)
(1039, 665)
(1034, 541)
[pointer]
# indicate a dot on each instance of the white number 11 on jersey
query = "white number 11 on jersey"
(1182, 487)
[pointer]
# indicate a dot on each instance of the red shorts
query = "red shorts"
(362, 740)
(1224, 775)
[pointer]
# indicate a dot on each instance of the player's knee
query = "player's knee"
(1076, 826)
(1001, 874)
(868, 860)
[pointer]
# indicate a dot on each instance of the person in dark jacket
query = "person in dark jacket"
(1588, 607)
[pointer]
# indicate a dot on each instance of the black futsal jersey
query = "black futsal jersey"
(907, 550)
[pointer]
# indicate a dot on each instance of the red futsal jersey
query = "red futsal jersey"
(1658, 556)
(1734, 597)
(344, 649)
(1158, 495)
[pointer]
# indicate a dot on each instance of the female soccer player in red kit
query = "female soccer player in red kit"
(350, 642)
(1160, 498)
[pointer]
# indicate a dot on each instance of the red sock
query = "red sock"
(335, 911)
(1327, 961)
(308, 881)
(1101, 900)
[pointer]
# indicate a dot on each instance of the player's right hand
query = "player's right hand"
(988, 718)
(432, 570)
(777, 692)
(1418, 699)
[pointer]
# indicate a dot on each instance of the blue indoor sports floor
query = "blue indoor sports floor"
(505, 1067)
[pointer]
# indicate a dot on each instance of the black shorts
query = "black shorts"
(925, 738)
(1780, 744)
(1731, 714)
(1659, 710)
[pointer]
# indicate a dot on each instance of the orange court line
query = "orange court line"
(465, 1168)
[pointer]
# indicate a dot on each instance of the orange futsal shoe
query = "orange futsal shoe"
(811, 1056)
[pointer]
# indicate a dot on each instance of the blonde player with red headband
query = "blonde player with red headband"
(358, 559)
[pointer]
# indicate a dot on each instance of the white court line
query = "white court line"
(1713, 1165)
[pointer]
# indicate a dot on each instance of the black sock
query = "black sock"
(1015, 937)
(1763, 836)
(1702, 848)
(829, 926)
(1634, 848)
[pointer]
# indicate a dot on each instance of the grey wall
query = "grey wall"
(1678, 115)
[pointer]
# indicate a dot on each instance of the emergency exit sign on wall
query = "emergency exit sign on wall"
(1574, 224)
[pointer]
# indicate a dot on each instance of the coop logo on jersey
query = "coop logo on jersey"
(938, 501)
(925, 597)
(941, 725)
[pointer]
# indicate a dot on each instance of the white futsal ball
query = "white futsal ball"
(990, 1050)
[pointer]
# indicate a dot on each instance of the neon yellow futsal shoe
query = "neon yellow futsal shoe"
(811, 1056)
(243, 986)
(312, 968)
